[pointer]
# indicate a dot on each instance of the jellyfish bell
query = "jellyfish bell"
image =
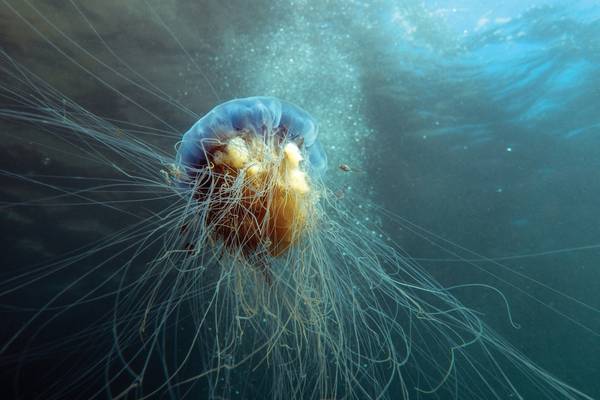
(253, 164)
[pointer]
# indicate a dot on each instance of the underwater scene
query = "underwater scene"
(299, 199)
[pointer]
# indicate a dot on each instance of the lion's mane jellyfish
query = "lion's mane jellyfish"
(245, 161)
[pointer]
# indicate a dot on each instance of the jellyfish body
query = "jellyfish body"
(246, 161)
(258, 116)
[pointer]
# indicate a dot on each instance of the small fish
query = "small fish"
(345, 167)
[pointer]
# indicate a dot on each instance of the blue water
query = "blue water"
(478, 121)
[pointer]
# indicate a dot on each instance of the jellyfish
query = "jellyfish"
(242, 160)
